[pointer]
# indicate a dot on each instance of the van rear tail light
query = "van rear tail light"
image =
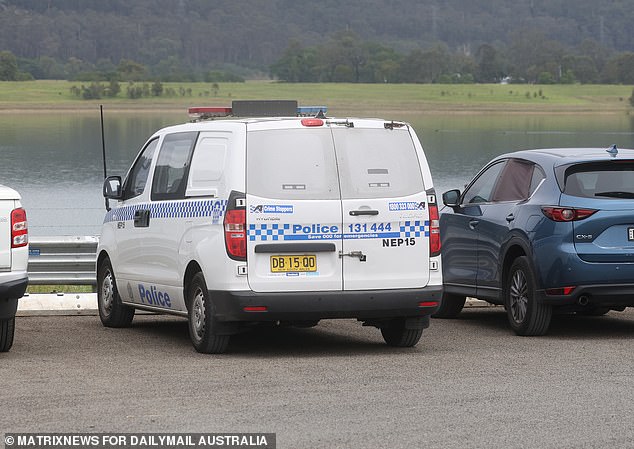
(19, 228)
(236, 234)
(434, 231)
(566, 213)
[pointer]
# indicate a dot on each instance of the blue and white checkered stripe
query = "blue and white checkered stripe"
(171, 209)
(276, 232)
(267, 232)
(414, 228)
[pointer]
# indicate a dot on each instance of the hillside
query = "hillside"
(243, 35)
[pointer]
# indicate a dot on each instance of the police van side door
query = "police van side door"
(167, 223)
(293, 208)
(385, 207)
(128, 260)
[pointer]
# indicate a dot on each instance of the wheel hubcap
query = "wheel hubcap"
(107, 293)
(198, 314)
(519, 296)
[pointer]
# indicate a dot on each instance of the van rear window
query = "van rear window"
(601, 180)
(377, 163)
(292, 164)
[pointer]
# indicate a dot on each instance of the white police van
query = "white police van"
(273, 217)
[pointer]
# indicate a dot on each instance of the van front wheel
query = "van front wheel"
(112, 312)
(202, 319)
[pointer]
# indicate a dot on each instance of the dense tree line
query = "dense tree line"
(529, 58)
(378, 39)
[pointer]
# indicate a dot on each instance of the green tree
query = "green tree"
(297, 64)
(130, 70)
(489, 64)
(619, 69)
(8, 66)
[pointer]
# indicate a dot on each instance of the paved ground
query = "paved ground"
(469, 383)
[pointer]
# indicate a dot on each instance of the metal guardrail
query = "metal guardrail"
(63, 260)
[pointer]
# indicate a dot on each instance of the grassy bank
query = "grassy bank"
(340, 98)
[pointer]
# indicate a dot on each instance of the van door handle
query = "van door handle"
(141, 218)
(362, 257)
(356, 213)
(473, 223)
(510, 217)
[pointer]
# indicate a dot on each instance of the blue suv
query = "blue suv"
(540, 231)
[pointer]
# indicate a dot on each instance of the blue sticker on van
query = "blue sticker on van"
(271, 209)
(406, 205)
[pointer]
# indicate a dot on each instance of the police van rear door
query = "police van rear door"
(294, 233)
(385, 210)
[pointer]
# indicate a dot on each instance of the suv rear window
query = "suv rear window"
(292, 164)
(601, 180)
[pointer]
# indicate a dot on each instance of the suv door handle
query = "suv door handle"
(142, 218)
(473, 223)
(510, 217)
(355, 213)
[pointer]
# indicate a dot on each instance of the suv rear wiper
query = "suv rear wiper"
(616, 194)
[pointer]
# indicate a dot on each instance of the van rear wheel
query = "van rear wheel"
(396, 334)
(7, 329)
(202, 319)
(112, 312)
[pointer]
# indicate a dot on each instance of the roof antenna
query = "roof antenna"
(103, 152)
(612, 150)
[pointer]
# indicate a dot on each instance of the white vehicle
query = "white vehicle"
(283, 219)
(14, 257)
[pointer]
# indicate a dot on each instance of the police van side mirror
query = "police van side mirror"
(112, 188)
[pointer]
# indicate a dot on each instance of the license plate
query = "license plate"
(289, 264)
(630, 234)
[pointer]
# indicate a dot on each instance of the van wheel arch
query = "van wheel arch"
(192, 269)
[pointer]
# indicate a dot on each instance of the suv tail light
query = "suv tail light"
(566, 213)
(434, 224)
(19, 228)
(236, 234)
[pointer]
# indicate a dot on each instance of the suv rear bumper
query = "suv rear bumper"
(604, 295)
(297, 306)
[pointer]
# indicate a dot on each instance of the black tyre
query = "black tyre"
(450, 306)
(202, 320)
(525, 314)
(7, 329)
(395, 334)
(112, 311)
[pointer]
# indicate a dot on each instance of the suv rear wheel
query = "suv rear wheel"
(7, 328)
(396, 334)
(201, 319)
(525, 314)
(112, 311)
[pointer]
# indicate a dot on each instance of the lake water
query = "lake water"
(55, 161)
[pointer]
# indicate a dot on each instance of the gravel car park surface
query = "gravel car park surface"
(470, 382)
